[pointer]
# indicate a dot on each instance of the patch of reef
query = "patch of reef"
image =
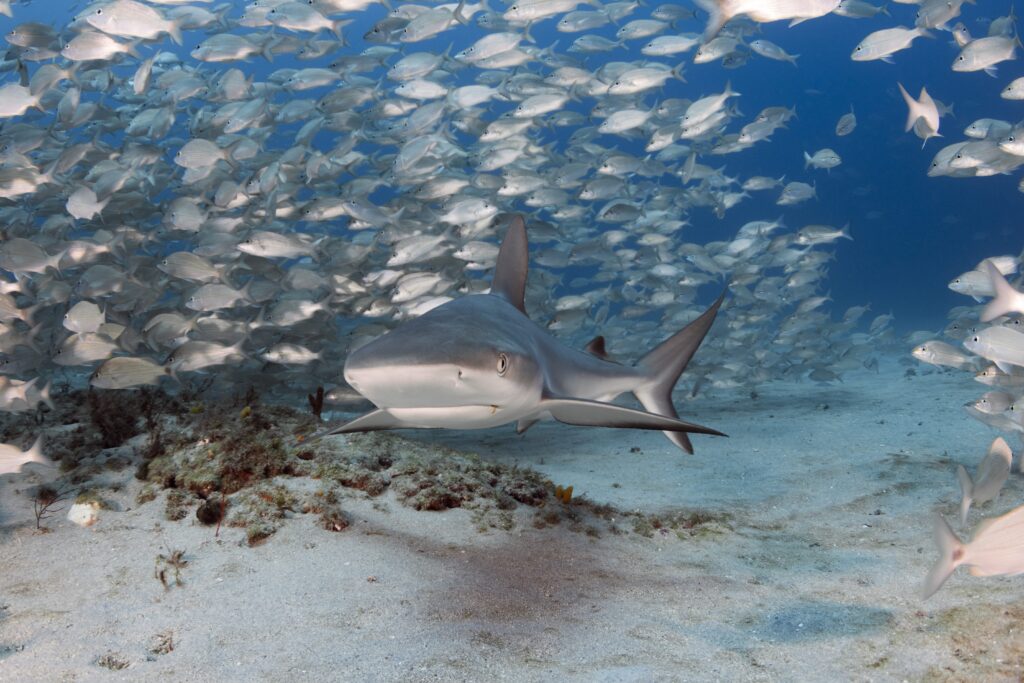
(240, 462)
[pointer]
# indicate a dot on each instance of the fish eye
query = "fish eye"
(975, 339)
(99, 11)
(502, 364)
(859, 48)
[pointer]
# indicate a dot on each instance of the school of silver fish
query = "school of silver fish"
(988, 341)
(166, 213)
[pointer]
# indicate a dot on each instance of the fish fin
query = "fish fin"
(525, 423)
(174, 31)
(513, 262)
(586, 413)
(372, 421)
(1007, 299)
(666, 362)
(596, 348)
(950, 556)
(717, 16)
(35, 453)
(44, 397)
(991, 71)
(966, 490)
(527, 35)
(336, 27)
(888, 59)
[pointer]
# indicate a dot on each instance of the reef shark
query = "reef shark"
(479, 361)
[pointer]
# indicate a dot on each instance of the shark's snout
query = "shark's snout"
(403, 383)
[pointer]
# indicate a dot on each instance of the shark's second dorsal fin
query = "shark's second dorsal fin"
(596, 348)
(513, 261)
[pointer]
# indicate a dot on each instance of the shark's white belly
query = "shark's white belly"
(457, 417)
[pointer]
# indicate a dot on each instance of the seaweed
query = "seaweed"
(177, 505)
(114, 414)
(45, 502)
(115, 661)
(316, 403)
(172, 560)
(259, 510)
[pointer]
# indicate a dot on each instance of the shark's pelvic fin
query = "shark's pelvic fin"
(525, 423)
(513, 262)
(585, 413)
(371, 422)
(666, 362)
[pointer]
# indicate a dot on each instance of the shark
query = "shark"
(479, 361)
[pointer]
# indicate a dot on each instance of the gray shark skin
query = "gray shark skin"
(479, 362)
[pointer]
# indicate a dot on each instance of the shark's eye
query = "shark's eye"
(502, 363)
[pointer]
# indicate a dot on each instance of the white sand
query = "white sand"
(818, 578)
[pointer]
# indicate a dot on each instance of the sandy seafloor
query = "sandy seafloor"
(816, 576)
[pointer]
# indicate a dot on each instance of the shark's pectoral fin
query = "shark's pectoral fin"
(585, 413)
(373, 421)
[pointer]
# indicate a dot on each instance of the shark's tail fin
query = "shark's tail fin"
(666, 362)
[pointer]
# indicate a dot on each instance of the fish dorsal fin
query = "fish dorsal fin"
(513, 260)
(596, 348)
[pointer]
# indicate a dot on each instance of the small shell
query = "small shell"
(84, 514)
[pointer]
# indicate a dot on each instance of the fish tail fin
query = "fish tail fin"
(950, 556)
(527, 35)
(336, 30)
(174, 30)
(44, 396)
(966, 492)
(807, 160)
(1007, 298)
(35, 453)
(718, 16)
(914, 108)
(267, 48)
(666, 362)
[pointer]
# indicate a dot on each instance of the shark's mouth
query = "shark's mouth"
(474, 416)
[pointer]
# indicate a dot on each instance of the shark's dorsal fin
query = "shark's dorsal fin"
(513, 260)
(596, 348)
